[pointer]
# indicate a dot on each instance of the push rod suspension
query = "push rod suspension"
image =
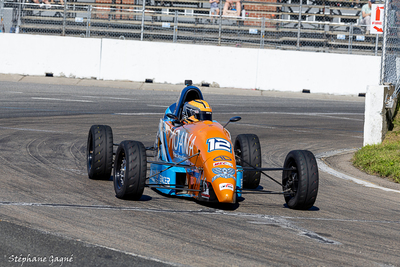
(198, 153)
(260, 169)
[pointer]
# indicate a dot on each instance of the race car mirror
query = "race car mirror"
(233, 119)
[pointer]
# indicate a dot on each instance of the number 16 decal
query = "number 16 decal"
(218, 144)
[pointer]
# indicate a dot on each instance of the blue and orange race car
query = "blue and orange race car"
(193, 156)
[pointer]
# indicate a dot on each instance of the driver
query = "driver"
(196, 110)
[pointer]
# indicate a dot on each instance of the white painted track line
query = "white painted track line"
(325, 168)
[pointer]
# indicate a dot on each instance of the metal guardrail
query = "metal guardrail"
(300, 30)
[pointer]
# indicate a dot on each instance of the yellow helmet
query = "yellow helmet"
(197, 110)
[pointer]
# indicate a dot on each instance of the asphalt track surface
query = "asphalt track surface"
(51, 214)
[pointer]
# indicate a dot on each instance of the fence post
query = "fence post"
(2, 28)
(220, 24)
(89, 16)
(18, 17)
(64, 18)
(175, 27)
(385, 30)
(142, 27)
(376, 44)
(262, 32)
(299, 25)
(351, 37)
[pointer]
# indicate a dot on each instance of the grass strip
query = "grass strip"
(382, 159)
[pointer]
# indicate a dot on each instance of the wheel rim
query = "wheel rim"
(291, 183)
(90, 154)
(121, 171)
(238, 154)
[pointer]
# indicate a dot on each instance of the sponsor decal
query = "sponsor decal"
(226, 173)
(224, 186)
(219, 144)
(164, 179)
(222, 158)
(219, 163)
(181, 142)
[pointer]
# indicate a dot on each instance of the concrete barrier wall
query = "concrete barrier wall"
(36, 55)
(378, 118)
(111, 59)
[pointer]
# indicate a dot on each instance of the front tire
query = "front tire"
(130, 169)
(301, 183)
(248, 154)
(99, 152)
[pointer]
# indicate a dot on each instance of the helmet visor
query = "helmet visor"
(204, 116)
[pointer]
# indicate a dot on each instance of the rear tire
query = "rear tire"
(248, 154)
(302, 183)
(99, 152)
(130, 168)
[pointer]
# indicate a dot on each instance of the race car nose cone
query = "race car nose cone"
(226, 197)
(225, 190)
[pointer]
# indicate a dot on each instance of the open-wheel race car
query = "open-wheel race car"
(193, 156)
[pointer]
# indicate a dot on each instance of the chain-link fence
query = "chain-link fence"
(390, 67)
(307, 25)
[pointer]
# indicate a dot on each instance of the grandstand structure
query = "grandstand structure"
(307, 25)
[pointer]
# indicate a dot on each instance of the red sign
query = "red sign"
(377, 12)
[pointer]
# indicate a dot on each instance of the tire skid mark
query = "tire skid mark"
(137, 114)
(77, 157)
(29, 150)
(72, 147)
(75, 171)
(139, 256)
(35, 154)
(301, 129)
(33, 160)
(333, 115)
(29, 129)
(281, 221)
(63, 100)
(111, 98)
(298, 129)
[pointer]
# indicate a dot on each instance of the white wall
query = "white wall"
(377, 117)
(36, 55)
(111, 59)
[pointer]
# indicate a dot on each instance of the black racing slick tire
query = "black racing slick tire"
(301, 183)
(248, 154)
(130, 167)
(99, 152)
